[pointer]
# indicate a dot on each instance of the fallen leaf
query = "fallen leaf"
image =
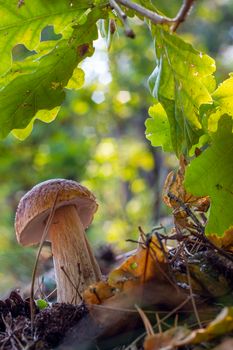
(221, 325)
(98, 292)
(149, 262)
(225, 345)
(166, 340)
(175, 194)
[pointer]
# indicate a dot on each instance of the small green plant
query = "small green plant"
(41, 304)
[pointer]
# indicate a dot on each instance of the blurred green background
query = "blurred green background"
(98, 138)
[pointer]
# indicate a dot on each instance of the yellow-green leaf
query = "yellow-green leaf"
(44, 87)
(77, 79)
(23, 24)
(182, 81)
(210, 174)
(158, 129)
(43, 115)
(223, 103)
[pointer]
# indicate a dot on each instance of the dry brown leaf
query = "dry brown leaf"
(221, 325)
(141, 279)
(225, 242)
(180, 336)
(162, 340)
(149, 262)
(225, 345)
(98, 292)
(174, 193)
(167, 340)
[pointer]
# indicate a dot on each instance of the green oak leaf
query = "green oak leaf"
(77, 79)
(158, 129)
(43, 89)
(223, 103)
(210, 174)
(45, 116)
(28, 65)
(181, 82)
(23, 24)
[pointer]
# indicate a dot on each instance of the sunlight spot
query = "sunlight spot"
(123, 96)
(98, 97)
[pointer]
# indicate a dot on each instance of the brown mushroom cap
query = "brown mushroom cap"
(34, 207)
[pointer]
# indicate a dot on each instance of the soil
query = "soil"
(68, 327)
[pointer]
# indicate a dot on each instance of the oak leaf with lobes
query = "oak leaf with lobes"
(181, 82)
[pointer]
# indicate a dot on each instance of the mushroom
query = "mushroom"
(74, 262)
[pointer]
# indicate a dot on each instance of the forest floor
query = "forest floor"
(183, 301)
(174, 291)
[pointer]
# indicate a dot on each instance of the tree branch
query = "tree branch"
(128, 31)
(182, 14)
(153, 16)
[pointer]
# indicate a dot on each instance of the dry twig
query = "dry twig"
(45, 233)
(192, 296)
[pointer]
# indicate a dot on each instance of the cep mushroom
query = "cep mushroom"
(74, 262)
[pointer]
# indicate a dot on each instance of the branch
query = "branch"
(153, 16)
(182, 14)
(128, 31)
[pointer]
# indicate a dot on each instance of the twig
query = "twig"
(147, 324)
(200, 227)
(128, 31)
(222, 252)
(154, 17)
(71, 282)
(182, 14)
(10, 330)
(158, 228)
(191, 295)
(50, 294)
(166, 276)
(44, 235)
(162, 320)
(158, 323)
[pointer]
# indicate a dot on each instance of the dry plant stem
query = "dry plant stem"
(199, 228)
(76, 287)
(192, 296)
(70, 249)
(45, 233)
(176, 309)
(147, 324)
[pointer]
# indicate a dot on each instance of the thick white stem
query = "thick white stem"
(74, 263)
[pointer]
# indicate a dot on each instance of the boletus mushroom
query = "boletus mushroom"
(74, 262)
